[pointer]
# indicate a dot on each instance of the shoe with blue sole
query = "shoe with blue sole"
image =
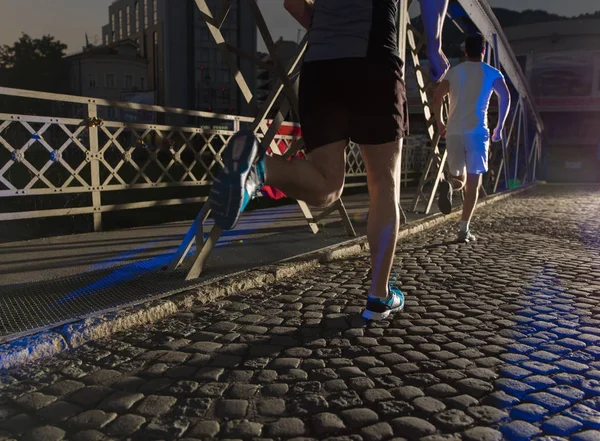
(243, 175)
(380, 309)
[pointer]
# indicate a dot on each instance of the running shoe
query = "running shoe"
(466, 236)
(243, 175)
(379, 309)
(445, 197)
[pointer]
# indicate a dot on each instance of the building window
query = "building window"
(155, 38)
(128, 81)
(111, 81)
(203, 33)
(204, 54)
(110, 113)
(145, 14)
(91, 81)
(226, 94)
(142, 83)
(112, 28)
(155, 12)
(120, 34)
(223, 76)
(106, 40)
(128, 21)
(136, 11)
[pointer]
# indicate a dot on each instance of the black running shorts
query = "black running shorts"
(352, 99)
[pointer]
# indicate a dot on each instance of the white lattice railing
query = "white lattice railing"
(47, 155)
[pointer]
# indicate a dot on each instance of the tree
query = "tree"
(35, 64)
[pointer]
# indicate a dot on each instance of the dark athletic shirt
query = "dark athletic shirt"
(353, 29)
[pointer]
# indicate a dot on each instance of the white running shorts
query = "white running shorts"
(468, 151)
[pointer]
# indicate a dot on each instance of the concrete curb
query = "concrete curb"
(63, 338)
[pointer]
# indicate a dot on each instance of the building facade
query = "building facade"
(113, 72)
(267, 79)
(185, 67)
(562, 63)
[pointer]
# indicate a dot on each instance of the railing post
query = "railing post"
(95, 166)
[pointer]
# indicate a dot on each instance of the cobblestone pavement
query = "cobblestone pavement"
(499, 340)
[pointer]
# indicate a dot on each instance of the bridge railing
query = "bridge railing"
(72, 155)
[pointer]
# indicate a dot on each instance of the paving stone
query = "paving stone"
(570, 379)
(165, 428)
(515, 387)
(335, 385)
(18, 424)
(306, 387)
(307, 404)
(572, 366)
(194, 407)
(588, 435)
(357, 418)
(285, 428)
(561, 425)
(394, 408)
(428, 405)
(125, 425)
(377, 432)
(344, 400)
(241, 391)
(120, 401)
(373, 396)
(593, 403)
(35, 400)
(482, 374)
(155, 405)
(520, 430)
(441, 390)
(232, 409)
(482, 434)
(89, 396)
(515, 372)
(58, 411)
(89, 435)
(63, 388)
(213, 390)
(92, 419)
(528, 412)
(592, 387)
(275, 390)
(567, 392)
(487, 415)
(474, 387)
(549, 401)
(271, 407)
(45, 433)
(242, 429)
(586, 415)
(327, 423)
(539, 382)
(416, 427)
(343, 438)
(452, 420)
(461, 402)
(204, 429)
(285, 363)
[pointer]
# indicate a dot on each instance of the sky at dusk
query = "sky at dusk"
(69, 20)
